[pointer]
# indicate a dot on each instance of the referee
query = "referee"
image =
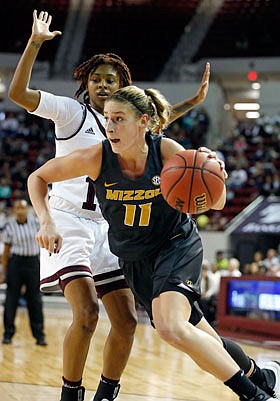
(20, 266)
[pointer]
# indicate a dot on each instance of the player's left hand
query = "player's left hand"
(213, 155)
(41, 26)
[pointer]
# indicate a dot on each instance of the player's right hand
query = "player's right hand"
(48, 238)
(41, 25)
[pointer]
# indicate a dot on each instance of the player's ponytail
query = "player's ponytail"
(148, 101)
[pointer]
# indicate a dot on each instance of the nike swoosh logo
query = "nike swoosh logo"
(110, 184)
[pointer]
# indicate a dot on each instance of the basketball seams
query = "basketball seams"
(210, 171)
(205, 171)
(193, 178)
(179, 178)
(206, 186)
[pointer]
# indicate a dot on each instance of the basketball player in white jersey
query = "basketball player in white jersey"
(85, 253)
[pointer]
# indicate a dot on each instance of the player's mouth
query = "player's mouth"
(114, 141)
(103, 95)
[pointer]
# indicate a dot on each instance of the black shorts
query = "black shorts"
(177, 267)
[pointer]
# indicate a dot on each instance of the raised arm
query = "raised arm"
(181, 108)
(19, 91)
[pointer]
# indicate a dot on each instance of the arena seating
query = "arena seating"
(127, 30)
(240, 30)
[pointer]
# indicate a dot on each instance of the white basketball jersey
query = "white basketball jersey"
(80, 191)
(78, 194)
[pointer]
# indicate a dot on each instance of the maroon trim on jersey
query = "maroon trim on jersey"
(100, 126)
(78, 130)
(66, 270)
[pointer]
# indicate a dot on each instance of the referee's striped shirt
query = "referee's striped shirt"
(21, 236)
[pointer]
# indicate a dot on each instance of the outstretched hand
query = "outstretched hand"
(204, 86)
(41, 25)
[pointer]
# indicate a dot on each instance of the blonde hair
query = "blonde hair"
(148, 101)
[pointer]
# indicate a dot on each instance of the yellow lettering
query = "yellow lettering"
(150, 194)
(128, 195)
(139, 194)
(112, 194)
(132, 195)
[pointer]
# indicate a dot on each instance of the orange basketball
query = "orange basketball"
(191, 182)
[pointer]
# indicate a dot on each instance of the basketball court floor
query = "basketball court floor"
(155, 372)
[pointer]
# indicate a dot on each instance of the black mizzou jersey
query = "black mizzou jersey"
(139, 218)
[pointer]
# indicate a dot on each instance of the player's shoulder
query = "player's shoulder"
(169, 147)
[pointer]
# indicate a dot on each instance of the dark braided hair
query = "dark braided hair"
(82, 72)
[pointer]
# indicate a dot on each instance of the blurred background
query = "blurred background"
(166, 44)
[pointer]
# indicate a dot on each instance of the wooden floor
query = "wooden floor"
(155, 372)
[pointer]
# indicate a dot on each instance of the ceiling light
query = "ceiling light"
(246, 106)
(256, 85)
(252, 114)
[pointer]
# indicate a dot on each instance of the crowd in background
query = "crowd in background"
(26, 142)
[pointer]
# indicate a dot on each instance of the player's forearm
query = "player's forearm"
(181, 108)
(38, 193)
(19, 91)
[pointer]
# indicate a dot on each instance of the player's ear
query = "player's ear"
(143, 121)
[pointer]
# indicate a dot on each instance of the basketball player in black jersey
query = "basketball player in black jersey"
(158, 247)
(76, 211)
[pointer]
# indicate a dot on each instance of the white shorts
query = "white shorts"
(84, 253)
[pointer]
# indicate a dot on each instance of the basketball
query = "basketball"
(191, 182)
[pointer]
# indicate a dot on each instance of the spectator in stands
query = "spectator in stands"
(270, 185)
(259, 153)
(221, 262)
(240, 144)
(233, 268)
(10, 124)
(258, 259)
(271, 262)
(216, 275)
(238, 177)
(5, 188)
(253, 269)
(217, 221)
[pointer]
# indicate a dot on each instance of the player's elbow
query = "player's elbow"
(15, 95)
(12, 93)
